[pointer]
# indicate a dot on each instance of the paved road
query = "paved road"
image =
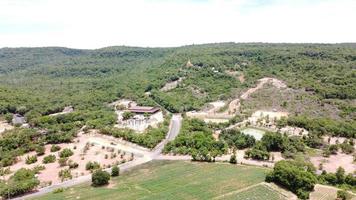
(174, 129)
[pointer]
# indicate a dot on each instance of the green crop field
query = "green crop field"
(175, 180)
(259, 192)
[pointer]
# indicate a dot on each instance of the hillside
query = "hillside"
(41, 81)
(260, 103)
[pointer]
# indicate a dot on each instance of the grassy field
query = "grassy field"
(176, 180)
(258, 192)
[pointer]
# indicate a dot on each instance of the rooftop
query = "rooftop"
(143, 109)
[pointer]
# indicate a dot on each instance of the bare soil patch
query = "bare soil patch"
(5, 126)
(331, 163)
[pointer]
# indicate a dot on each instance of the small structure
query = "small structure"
(17, 119)
(143, 109)
(68, 109)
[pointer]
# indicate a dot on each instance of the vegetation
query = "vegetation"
(31, 159)
(115, 171)
(150, 138)
(173, 180)
(196, 139)
(14, 143)
(100, 177)
(48, 79)
(293, 176)
(24, 180)
(40, 150)
(49, 159)
(92, 166)
(234, 138)
(65, 174)
(340, 178)
(259, 192)
(127, 115)
(55, 148)
(65, 153)
(323, 126)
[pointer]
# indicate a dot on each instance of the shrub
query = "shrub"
(233, 159)
(333, 149)
(115, 171)
(92, 166)
(38, 168)
(65, 174)
(342, 194)
(100, 177)
(72, 165)
(24, 180)
(127, 115)
(258, 152)
(62, 162)
(55, 148)
(49, 159)
(40, 150)
(58, 190)
(65, 153)
(347, 148)
(31, 159)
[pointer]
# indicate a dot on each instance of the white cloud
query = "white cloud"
(99, 23)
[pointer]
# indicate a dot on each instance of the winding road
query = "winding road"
(145, 157)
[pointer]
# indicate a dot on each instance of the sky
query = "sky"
(89, 24)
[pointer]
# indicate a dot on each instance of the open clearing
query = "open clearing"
(176, 180)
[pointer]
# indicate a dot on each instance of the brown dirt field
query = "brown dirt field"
(334, 161)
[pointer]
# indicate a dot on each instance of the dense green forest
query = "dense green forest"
(36, 82)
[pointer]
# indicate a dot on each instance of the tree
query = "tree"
(294, 177)
(233, 159)
(340, 175)
(100, 177)
(115, 171)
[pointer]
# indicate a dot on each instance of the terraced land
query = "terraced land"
(177, 180)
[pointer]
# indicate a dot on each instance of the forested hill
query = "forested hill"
(40, 81)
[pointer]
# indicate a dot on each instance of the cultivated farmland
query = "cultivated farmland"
(176, 180)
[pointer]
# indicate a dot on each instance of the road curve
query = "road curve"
(174, 129)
